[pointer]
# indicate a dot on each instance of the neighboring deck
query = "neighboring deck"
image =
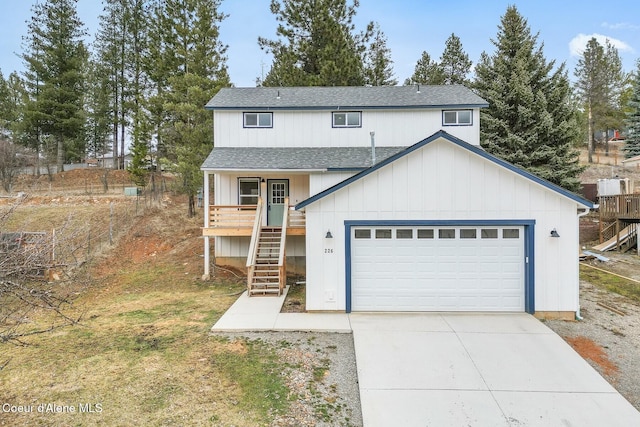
(619, 220)
(625, 207)
(238, 220)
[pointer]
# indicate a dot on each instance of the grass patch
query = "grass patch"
(151, 362)
(611, 282)
(296, 299)
(257, 373)
(143, 350)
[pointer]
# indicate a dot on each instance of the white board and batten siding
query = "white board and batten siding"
(444, 182)
(314, 129)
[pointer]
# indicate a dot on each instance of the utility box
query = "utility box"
(132, 191)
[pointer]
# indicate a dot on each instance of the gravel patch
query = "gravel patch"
(609, 341)
(321, 373)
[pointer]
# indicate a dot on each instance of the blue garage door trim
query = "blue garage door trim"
(529, 261)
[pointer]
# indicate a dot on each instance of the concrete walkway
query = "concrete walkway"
(446, 369)
(263, 314)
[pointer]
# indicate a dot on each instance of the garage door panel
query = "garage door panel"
(485, 273)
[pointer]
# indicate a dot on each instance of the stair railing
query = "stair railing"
(253, 246)
(283, 241)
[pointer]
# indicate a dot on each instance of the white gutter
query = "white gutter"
(290, 171)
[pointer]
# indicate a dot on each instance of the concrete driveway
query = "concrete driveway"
(477, 370)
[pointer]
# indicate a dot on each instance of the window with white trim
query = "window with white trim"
(363, 233)
(248, 191)
(347, 119)
(457, 118)
(258, 120)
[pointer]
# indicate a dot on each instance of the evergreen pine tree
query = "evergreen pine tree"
(14, 105)
(632, 121)
(55, 61)
(98, 109)
(317, 44)
(378, 66)
(454, 62)
(530, 121)
(5, 108)
(599, 86)
(426, 72)
(193, 40)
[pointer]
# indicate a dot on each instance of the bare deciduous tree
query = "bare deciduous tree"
(41, 275)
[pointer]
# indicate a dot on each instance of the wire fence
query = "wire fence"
(84, 231)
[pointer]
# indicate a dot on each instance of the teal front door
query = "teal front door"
(278, 190)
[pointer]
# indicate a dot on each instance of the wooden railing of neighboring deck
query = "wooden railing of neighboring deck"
(624, 206)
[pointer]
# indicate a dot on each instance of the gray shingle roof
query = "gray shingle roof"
(334, 98)
(308, 158)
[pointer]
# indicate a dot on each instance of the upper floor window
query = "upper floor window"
(457, 117)
(258, 120)
(350, 119)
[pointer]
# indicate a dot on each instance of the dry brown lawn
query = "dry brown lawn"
(142, 354)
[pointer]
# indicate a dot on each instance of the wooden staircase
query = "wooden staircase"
(265, 274)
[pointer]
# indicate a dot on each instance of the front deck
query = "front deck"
(238, 220)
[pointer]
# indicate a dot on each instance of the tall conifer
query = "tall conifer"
(317, 45)
(454, 62)
(530, 121)
(55, 59)
(192, 40)
(426, 72)
(632, 121)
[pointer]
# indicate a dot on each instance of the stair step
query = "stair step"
(265, 285)
(274, 292)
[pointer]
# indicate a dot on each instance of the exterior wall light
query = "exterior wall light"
(554, 233)
(329, 235)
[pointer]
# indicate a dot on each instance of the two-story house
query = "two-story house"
(384, 199)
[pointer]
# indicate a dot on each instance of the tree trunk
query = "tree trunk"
(116, 101)
(60, 155)
(192, 206)
(590, 136)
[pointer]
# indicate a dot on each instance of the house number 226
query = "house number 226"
(328, 251)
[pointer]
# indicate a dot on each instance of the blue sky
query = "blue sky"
(411, 27)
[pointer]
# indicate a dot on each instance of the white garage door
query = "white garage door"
(437, 268)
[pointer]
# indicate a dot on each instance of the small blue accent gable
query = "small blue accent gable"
(475, 149)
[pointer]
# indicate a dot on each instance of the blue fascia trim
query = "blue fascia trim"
(348, 107)
(529, 247)
(477, 150)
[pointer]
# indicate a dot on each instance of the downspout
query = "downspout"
(580, 215)
(373, 147)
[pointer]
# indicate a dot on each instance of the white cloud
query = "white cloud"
(620, 26)
(579, 43)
